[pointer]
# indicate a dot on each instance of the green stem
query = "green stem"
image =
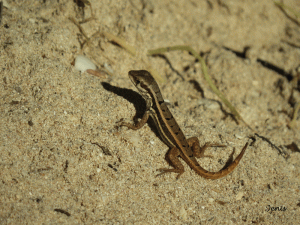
(205, 73)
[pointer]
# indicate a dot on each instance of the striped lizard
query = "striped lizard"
(170, 132)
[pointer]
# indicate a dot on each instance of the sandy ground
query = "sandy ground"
(62, 159)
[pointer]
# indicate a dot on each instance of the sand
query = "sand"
(63, 161)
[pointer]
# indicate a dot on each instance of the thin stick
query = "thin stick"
(285, 7)
(295, 114)
(120, 42)
(79, 27)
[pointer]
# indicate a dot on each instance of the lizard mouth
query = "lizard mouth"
(135, 81)
(132, 74)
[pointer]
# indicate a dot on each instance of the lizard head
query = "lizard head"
(143, 81)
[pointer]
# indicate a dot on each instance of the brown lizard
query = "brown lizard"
(170, 132)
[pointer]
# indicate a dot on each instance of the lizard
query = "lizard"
(170, 132)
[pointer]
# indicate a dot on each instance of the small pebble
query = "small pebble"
(239, 196)
(83, 63)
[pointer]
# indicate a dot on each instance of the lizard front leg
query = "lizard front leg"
(136, 126)
(172, 157)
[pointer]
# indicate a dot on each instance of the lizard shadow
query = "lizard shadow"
(137, 100)
(131, 96)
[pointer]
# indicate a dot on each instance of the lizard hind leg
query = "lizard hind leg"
(172, 158)
(199, 151)
(229, 166)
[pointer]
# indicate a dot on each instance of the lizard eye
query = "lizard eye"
(144, 86)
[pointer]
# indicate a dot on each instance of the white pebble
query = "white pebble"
(239, 136)
(183, 213)
(83, 63)
(239, 196)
